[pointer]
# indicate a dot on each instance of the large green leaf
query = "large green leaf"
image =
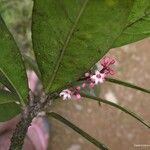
(138, 26)
(70, 36)
(11, 64)
(8, 106)
(140, 9)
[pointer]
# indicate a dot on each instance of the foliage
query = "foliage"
(69, 37)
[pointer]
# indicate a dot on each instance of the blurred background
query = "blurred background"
(116, 129)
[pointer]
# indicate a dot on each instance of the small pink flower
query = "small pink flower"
(109, 71)
(90, 79)
(92, 85)
(78, 96)
(98, 77)
(107, 61)
(66, 94)
(78, 88)
(87, 74)
(83, 85)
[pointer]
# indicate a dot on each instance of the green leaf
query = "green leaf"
(71, 36)
(6, 83)
(8, 106)
(147, 124)
(11, 64)
(138, 26)
(78, 130)
(127, 84)
(139, 10)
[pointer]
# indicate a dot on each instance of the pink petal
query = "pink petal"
(78, 96)
(92, 85)
(84, 85)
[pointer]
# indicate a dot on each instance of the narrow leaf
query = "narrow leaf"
(127, 84)
(8, 106)
(11, 64)
(147, 124)
(78, 130)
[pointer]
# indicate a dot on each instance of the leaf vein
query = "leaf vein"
(20, 97)
(66, 44)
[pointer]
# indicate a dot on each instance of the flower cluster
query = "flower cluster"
(90, 79)
(71, 93)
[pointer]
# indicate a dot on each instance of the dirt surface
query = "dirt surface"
(113, 127)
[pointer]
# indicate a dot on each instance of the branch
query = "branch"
(17, 140)
(28, 113)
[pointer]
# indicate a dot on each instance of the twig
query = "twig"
(28, 113)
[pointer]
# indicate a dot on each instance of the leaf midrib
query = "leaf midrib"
(8, 102)
(66, 44)
(17, 92)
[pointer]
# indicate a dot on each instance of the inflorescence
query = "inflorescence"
(90, 79)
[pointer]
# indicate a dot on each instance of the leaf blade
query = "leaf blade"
(132, 114)
(66, 43)
(57, 32)
(138, 26)
(6, 83)
(8, 106)
(78, 130)
(11, 64)
(127, 84)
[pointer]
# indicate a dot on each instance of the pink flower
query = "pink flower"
(78, 88)
(98, 77)
(77, 96)
(72, 93)
(83, 85)
(92, 85)
(109, 71)
(107, 61)
(87, 74)
(66, 94)
(90, 79)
